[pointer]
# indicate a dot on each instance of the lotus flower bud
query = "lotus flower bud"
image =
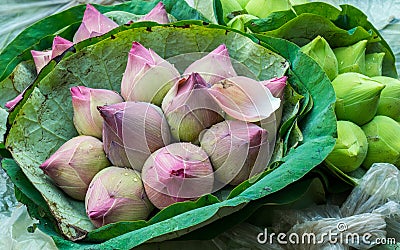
(42, 58)
(383, 135)
(190, 108)
(147, 76)
(373, 64)
(389, 102)
(73, 166)
(276, 86)
(350, 149)
(177, 172)
(93, 24)
(244, 99)
(237, 150)
(262, 8)
(319, 50)
(238, 22)
(271, 124)
(116, 194)
(10, 105)
(87, 119)
(132, 131)
(351, 58)
(157, 14)
(214, 67)
(357, 97)
(59, 46)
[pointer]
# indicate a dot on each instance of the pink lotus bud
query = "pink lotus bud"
(276, 86)
(73, 166)
(87, 119)
(93, 24)
(132, 131)
(177, 172)
(112, 134)
(116, 194)
(214, 67)
(59, 46)
(237, 150)
(157, 14)
(10, 105)
(189, 108)
(244, 99)
(147, 76)
(271, 124)
(41, 58)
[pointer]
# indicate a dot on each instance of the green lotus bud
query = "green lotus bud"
(321, 52)
(262, 8)
(116, 194)
(357, 97)
(383, 135)
(389, 102)
(238, 22)
(373, 64)
(351, 58)
(350, 149)
(73, 166)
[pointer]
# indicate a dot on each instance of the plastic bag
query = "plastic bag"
(370, 216)
(378, 186)
(14, 233)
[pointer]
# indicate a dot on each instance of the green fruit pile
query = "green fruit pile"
(367, 105)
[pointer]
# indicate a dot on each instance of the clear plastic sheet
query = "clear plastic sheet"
(378, 186)
(372, 209)
(14, 232)
(7, 197)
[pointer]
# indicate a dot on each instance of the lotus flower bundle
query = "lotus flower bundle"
(166, 131)
(132, 124)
